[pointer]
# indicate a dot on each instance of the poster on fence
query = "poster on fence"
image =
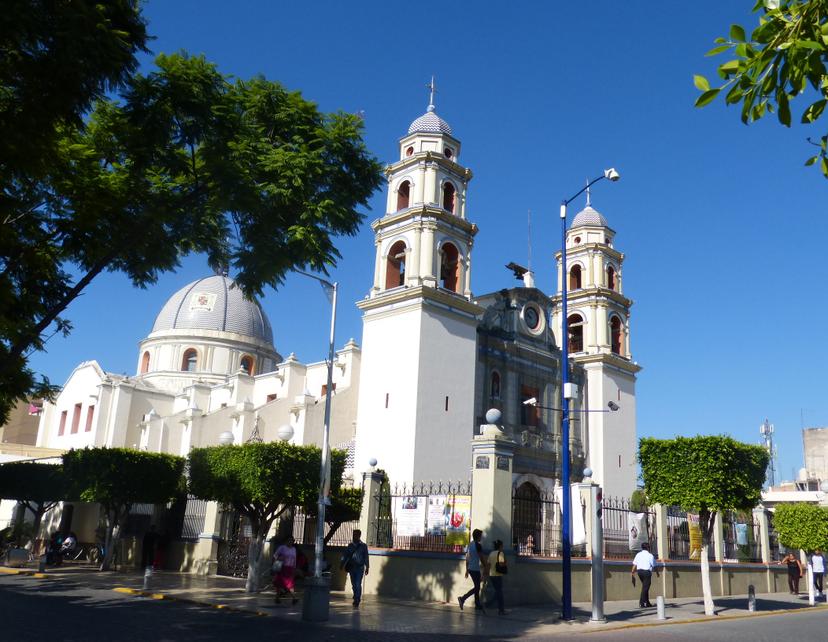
(695, 537)
(457, 529)
(438, 514)
(578, 533)
(637, 529)
(409, 515)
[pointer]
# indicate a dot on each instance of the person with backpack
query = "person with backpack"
(497, 569)
(476, 567)
(355, 562)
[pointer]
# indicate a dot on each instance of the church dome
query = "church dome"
(214, 303)
(429, 123)
(589, 216)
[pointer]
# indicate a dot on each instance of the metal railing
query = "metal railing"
(741, 538)
(536, 524)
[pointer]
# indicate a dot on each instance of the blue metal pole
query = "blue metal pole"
(566, 509)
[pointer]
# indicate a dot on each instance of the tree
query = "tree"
(784, 57)
(346, 506)
(117, 478)
(802, 526)
(180, 160)
(56, 58)
(704, 474)
(38, 487)
(260, 481)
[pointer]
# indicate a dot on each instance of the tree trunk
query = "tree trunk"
(114, 525)
(254, 555)
(706, 521)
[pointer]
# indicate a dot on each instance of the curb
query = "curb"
(703, 619)
(187, 600)
(23, 571)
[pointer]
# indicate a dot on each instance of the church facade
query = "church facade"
(433, 358)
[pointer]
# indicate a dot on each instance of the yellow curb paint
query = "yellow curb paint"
(162, 596)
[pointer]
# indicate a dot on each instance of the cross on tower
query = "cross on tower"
(432, 88)
(589, 203)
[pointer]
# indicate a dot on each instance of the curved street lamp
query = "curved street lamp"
(568, 392)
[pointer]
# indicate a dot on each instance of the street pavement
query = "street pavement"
(77, 603)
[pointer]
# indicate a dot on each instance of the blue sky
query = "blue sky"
(721, 223)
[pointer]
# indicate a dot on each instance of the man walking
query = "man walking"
(644, 563)
(818, 566)
(475, 565)
(355, 562)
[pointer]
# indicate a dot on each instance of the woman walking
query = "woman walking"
(497, 569)
(284, 571)
(794, 572)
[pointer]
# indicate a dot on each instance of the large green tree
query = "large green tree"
(182, 159)
(117, 478)
(345, 506)
(783, 58)
(260, 481)
(38, 487)
(802, 526)
(704, 474)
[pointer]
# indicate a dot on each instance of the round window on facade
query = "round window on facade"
(533, 318)
(577, 239)
(448, 152)
(409, 151)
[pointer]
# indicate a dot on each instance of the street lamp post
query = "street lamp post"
(317, 609)
(567, 392)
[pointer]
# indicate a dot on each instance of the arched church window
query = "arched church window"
(611, 277)
(576, 333)
(403, 195)
(494, 389)
(575, 277)
(145, 361)
(450, 267)
(448, 152)
(189, 361)
(246, 364)
(448, 197)
(395, 266)
(617, 336)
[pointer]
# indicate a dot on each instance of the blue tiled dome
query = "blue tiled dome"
(429, 123)
(214, 303)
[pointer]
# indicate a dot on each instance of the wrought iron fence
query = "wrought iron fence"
(536, 523)
(425, 516)
(193, 523)
(304, 530)
(623, 526)
(741, 538)
(773, 539)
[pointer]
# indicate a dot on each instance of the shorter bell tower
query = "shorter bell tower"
(416, 400)
(599, 340)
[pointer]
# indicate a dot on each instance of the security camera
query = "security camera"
(612, 174)
(613, 406)
(532, 401)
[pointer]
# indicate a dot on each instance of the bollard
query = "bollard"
(41, 564)
(751, 598)
(660, 607)
(810, 579)
(147, 577)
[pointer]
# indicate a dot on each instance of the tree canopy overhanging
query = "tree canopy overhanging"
(179, 160)
(784, 57)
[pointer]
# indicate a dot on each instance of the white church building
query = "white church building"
(209, 364)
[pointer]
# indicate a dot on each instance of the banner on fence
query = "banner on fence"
(695, 537)
(409, 515)
(741, 535)
(578, 527)
(438, 514)
(457, 529)
(637, 530)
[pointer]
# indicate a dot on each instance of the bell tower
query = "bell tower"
(416, 400)
(599, 340)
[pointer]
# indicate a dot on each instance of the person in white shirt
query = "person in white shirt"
(644, 564)
(818, 566)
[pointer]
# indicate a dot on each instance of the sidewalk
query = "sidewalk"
(399, 616)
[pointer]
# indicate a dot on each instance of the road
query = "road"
(66, 611)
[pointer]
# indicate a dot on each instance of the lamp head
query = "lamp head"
(612, 174)
(532, 401)
(226, 438)
(285, 432)
(613, 406)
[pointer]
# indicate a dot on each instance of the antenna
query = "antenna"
(766, 430)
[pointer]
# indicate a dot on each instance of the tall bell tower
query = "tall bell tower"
(599, 340)
(416, 399)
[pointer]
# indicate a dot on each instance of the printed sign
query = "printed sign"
(482, 461)
(410, 515)
(438, 514)
(459, 522)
